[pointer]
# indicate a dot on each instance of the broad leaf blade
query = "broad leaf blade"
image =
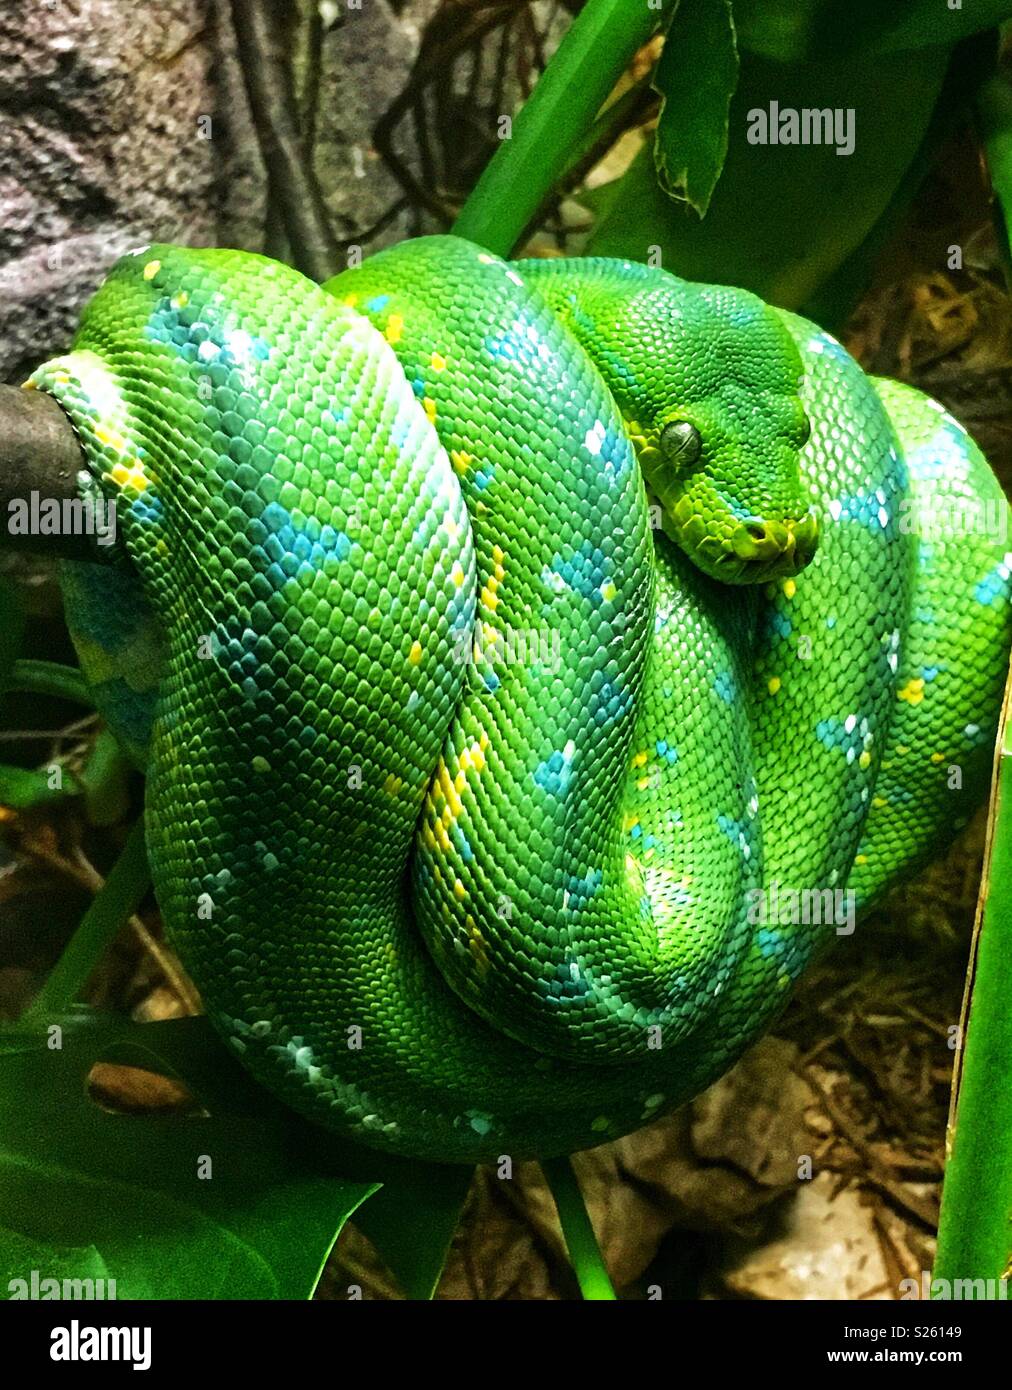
(414, 1252)
(789, 30)
(696, 78)
(783, 217)
(974, 1232)
(21, 788)
(78, 1184)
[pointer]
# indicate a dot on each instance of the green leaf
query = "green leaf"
(80, 1188)
(104, 781)
(994, 119)
(127, 1190)
(837, 296)
(415, 1249)
(974, 1230)
(120, 895)
(59, 1262)
(696, 78)
(783, 217)
(791, 29)
(21, 788)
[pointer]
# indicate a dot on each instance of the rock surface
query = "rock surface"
(122, 124)
(99, 151)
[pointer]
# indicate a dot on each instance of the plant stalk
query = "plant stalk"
(584, 1251)
(547, 132)
(116, 902)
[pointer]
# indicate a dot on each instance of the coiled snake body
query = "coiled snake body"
(508, 761)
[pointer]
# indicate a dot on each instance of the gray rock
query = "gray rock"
(99, 152)
(122, 124)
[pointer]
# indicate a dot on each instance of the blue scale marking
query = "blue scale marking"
(582, 889)
(726, 687)
(993, 587)
(554, 774)
(608, 702)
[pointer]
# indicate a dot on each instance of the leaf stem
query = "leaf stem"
(50, 678)
(115, 903)
(584, 1251)
(592, 56)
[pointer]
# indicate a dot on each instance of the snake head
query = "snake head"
(708, 380)
(732, 497)
(720, 433)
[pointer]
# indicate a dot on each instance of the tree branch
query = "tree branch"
(267, 72)
(40, 454)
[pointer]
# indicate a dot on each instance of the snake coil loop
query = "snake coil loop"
(511, 647)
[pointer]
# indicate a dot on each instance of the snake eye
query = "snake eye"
(802, 424)
(680, 443)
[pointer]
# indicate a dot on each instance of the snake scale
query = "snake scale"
(507, 645)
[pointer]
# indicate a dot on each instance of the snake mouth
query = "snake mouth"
(758, 550)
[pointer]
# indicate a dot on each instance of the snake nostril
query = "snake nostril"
(756, 530)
